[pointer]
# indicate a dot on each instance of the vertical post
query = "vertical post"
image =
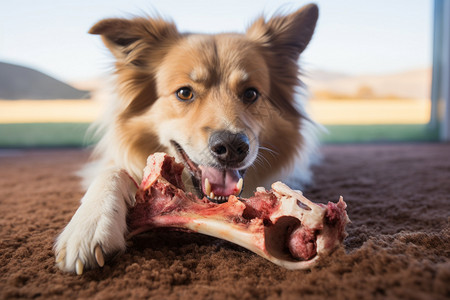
(435, 118)
(445, 72)
(440, 88)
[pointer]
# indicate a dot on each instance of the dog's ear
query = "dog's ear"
(286, 35)
(123, 36)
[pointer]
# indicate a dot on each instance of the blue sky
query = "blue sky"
(352, 36)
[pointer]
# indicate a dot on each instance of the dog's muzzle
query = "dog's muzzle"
(225, 177)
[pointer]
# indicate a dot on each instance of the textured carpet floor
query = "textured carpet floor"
(398, 246)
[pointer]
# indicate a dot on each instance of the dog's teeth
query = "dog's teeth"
(239, 186)
(212, 196)
(207, 187)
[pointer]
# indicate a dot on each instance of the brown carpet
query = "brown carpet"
(398, 198)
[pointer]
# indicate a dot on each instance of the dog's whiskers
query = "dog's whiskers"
(271, 151)
(261, 160)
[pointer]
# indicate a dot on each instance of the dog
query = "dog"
(224, 105)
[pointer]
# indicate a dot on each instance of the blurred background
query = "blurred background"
(368, 67)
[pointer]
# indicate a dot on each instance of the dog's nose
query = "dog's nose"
(228, 147)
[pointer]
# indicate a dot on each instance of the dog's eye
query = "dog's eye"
(185, 94)
(250, 95)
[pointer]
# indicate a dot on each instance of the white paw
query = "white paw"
(98, 227)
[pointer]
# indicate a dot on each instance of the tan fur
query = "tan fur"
(154, 60)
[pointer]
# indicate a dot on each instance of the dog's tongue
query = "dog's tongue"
(221, 182)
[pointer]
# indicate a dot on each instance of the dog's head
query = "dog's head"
(214, 101)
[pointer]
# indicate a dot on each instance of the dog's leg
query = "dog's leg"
(98, 227)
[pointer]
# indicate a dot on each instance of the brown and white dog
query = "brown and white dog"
(225, 105)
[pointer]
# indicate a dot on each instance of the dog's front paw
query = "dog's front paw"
(98, 227)
(87, 239)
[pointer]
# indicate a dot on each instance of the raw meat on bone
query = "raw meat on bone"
(280, 225)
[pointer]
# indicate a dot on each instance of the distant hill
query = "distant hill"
(413, 84)
(18, 82)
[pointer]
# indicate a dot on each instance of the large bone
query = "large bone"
(280, 225)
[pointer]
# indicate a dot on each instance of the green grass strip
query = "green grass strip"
(380, 133)
(43, 135)
(27, 135)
